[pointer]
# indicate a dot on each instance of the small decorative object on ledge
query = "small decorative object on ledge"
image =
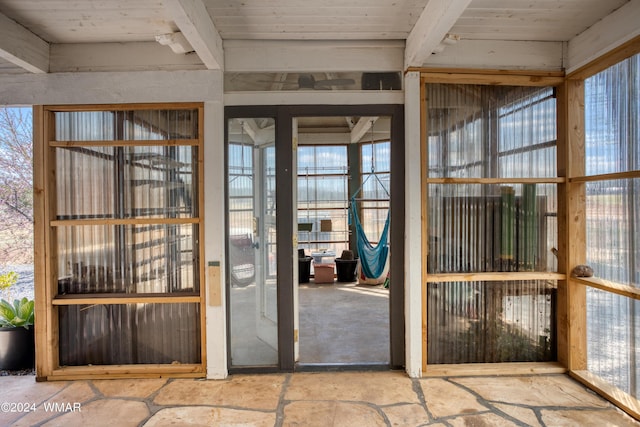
(582, 271)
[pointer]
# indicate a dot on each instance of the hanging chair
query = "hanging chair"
(374, 260)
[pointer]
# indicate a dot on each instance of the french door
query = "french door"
(261, 235)
(252, 248)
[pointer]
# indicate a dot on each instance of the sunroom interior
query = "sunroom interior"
(520, 161)
(342, 165)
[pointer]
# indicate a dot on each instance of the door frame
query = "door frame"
(287, 254)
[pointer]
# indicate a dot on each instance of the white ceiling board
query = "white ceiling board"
(72, 21)
(539, 20)
(313, 55)
(111, 88)
(323, 138)
(316, 97)
(325, 19)
(134, 56)
(315, 35)
(498, 54)
(607, 34)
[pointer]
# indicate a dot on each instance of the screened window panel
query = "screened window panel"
(613, 230)
(126, 182)
(323, 197)
(240, 188)
(126, 125)
(380, 162)
(129, 334)
(486, 227)
(489, 322)
(135, 259)
(613, 339)
(478, 131)
(612, 145)
(323, 191)
(612, 119)
(322, 159)
(85, 179)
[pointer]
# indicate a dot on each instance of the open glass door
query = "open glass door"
(251, 255)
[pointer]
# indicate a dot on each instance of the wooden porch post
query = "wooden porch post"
(572, 303)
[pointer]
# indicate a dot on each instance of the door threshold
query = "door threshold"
(342, 367)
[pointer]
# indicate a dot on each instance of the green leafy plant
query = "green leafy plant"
(20, 313)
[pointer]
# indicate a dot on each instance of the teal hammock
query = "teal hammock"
(372, 258)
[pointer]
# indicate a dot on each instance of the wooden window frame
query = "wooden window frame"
(45, 276)
(571, 305)
(485, 77)
(574, 161)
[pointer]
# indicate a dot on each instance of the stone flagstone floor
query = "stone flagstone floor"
(308, 399)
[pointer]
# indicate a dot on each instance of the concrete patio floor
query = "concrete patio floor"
(309, 399)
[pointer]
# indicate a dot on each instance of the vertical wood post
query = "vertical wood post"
(572, 305)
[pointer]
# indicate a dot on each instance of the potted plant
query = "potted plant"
(346, 266)
(17, 344)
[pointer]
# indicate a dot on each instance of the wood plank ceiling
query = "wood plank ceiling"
(72, 21)
(122, 21)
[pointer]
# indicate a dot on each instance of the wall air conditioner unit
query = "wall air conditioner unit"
(381, 81)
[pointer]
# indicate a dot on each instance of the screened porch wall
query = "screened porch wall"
(612, 167)
(120, 334)
(125, 234)
(491, 206)
(490, 322)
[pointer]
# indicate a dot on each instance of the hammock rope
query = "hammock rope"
(373, 259)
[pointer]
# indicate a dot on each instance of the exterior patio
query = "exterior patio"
(313, 399)
(169, 145)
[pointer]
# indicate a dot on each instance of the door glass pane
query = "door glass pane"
(251, 250)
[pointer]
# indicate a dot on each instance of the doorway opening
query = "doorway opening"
(343, 174)
(282, 208)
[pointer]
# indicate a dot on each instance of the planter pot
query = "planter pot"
(17, 348)
(304, 269)
(346, 269)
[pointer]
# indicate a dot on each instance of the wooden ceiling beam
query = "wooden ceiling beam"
(361, 128)
(22, 47)
(430, 29)
(193, 20)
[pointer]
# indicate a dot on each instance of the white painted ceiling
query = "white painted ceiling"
(75, 21)
(123, 21)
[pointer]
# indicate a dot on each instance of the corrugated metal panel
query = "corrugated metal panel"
(487, 227)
